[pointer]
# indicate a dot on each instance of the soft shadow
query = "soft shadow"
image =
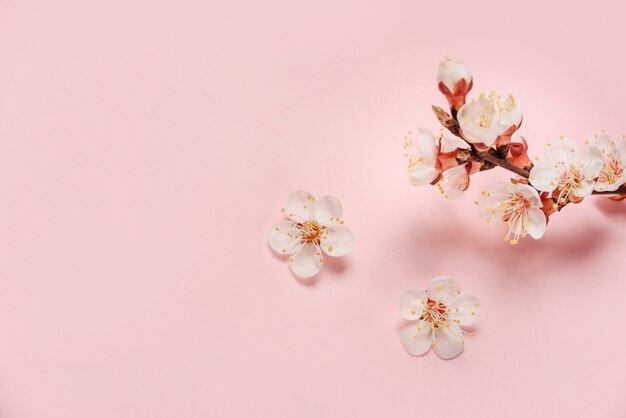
(611, 208)
(333, 267)
(446, 240)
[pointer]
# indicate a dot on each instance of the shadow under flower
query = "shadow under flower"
(611, 208)
(447, 243)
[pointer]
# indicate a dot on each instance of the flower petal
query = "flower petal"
(337, 240)
(327, 207)
(412, 304)
(443, 288)
(425, 144)
(536, 223)
(422, 173)
(464, 309)
(448, 341)
(530, 193)
(299, 206)
(451, 142)
(284, 237)
(416, 337)
(307, 261)
(591, 161)
(561, 151)
(544, 176)
(585, 189)
(454, 181)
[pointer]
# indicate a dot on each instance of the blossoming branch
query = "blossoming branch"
(483, 134)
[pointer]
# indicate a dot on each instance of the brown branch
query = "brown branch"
(505, 164)
(451, 123)
(521, 172)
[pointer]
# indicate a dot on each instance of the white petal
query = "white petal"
(307, 262)
(443, 288)
(591, 161)
(450, 71)
(299, 206)
(337, 240)
(416, 337)
(472, 118)
(561, 151)
(465, 309)
(544, 176)
(423, 173)
(425, 144)
(284, 237)
(451, 142)
(514, 115)
(604, 143)
(448, 341)
(530, 193)
(490, 203)
(327, 207)
(536, 223)
(585, 189)
(454, 181)
(412, 303)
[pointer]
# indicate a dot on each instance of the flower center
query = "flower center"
(436, 313)
(569, 181)
(485, 120)
(611, 172)
(311, 231)
(515, 215)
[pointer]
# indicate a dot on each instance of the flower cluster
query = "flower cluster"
(483, 134)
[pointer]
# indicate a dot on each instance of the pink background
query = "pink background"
(146, 148)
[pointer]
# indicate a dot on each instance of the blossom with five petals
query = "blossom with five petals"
(429, 156)
(516, 205)
(568, 174)
(315, 227)
(436, 316)
(489, 121)
(613, 172)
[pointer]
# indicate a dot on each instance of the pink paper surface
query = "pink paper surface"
(146, 148)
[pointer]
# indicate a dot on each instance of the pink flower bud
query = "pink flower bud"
(454, 81)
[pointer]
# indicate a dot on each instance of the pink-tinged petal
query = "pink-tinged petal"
(585, 189)
(451, 142)
(591, 161)
(422, 173)
(464, 309)
(284, 237)
(337, 240)
(472, 118)
(443, 288)
(530, 193)
(327, 208)
(307, 261)
(416, 337)
(621, 149)
(491, 201)
(544, 176)
(412, 303)
(451, 71)
(536, 223)
(604, 144)
(425, 144)
(299, 206)
(512, 117)
(448, 341)
(562, 151)
(454, 181)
